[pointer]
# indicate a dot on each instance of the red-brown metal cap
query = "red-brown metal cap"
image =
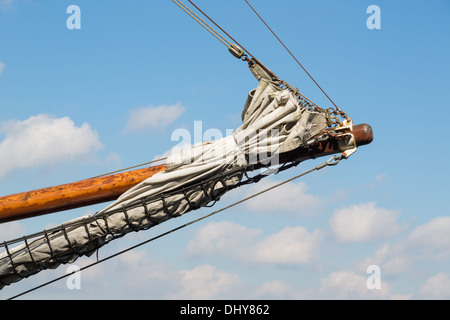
(363, 134)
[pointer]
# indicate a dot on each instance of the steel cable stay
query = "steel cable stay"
(213, 180)
(211, 30)
(194, 186)
(228, 45)
(216, 34)
(221, 29)
(292, 55)
(333, 161)
(128, 168)
(239, 52)
(202, 23)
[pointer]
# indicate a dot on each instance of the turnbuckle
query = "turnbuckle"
(334, 160)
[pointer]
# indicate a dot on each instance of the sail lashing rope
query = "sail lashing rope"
(333, 113)
(191, 181)
(334, 160)
(273, 123)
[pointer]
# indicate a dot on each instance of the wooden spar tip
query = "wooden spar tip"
(110, 187)
(72, 195)
(363, 134)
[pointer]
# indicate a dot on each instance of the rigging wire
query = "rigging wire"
(334, 160)
(202, 23)
(336, 112)
(221, 29)
(331, 162)
(132, 167)
(292, 55)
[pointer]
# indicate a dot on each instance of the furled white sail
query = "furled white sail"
(274, 122)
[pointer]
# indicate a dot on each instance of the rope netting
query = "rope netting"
(274, 122)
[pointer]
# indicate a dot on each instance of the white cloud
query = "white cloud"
(114, 159)
(426, 243)
(364, 222)
(152, 117)
(43, 139)
(223, 239)
(206, 282)
(6, 4)
(2, 67)
(380, 177)
(398, 296)
(136, 275)
(277, 290)
(431, 241)
(437, 287)
(390, 258)
(289, 246)
(11, 230)
(347, 284)
(289, 198)
(292, 245)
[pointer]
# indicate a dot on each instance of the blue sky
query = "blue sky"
(69, 100)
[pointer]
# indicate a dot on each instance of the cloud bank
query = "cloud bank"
(289, 246)
(153, 117)
(43, 139)
(291, 198)
(6, 4)
(364, 222)
(426, 243)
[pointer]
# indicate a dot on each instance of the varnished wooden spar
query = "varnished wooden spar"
(363, 135)
(71, 195)
(110, 187)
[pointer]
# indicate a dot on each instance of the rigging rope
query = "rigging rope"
(130, 224)
(132, 167)
(221, 29)
(332, 113)
(292, 55)
(334, 160)
(202, 23)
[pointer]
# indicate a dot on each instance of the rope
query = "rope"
(334, 160)
(202, 23)
(337, 112)
(132, 167)
(221, 29)
(292, 54)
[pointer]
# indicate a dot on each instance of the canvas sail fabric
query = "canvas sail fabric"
(273, 122)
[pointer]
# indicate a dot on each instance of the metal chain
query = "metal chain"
(333, 161)
(332, 114)
(337, 110)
